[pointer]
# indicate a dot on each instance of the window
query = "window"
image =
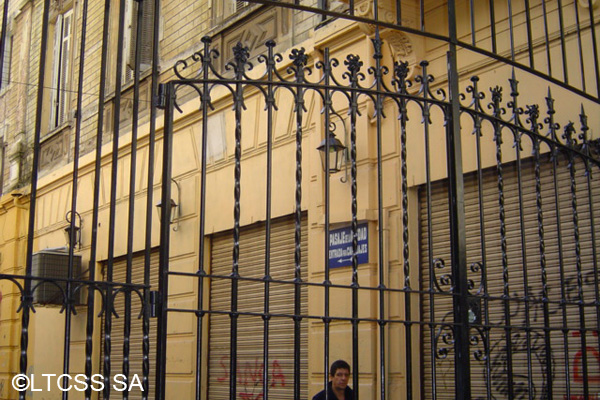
(130, 38)
(6, 62)
(129, 41)
(228, 8)
(61, 69)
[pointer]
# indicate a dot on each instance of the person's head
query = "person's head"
(339, 374)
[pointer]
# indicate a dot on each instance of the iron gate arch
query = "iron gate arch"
(542, 175)
(486, 119)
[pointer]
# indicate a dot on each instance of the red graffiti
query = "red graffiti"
(578, 374)
(225, 375)
(249, 377)
(277, 375)
(577, 370)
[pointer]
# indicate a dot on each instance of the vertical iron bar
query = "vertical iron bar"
(511, 30)
(132, 178)
(206, 101)
(457, 226)
(542, 248)
(377, 43)
(241, 57)
(399, 12)
(588, 173)
(561, 264)
(432, 324)
(353, 111)
(563, 46)
(89, 341)
(473, 30)
(518, 147)
(322, 4)
(113, 196)
(422, 15)
(299, 59)
(165, 238)
(505, 275)
(270, 100)
(595, 46)
(327, 283)
(482, 236)
(569, 130)
(457, 219)
(401, 69)
(529, 34)
(3, 36)
(579, 43)
(150, 205)
(547, 36)
(69, 301)
(493, 26)
(27, 296)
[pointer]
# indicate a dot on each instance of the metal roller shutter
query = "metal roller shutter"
(251, 299)
(136, 337)
(489, 375)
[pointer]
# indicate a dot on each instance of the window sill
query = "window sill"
(110, 95)
(222, 24)
(56, 131)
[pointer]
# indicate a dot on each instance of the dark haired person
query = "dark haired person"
(337, 388)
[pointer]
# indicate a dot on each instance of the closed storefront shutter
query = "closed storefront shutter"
(489, 355)
(136, 337)
(251, 296)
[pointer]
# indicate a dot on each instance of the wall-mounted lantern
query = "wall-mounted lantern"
(336, 153)
(173, 207)
(73, 230)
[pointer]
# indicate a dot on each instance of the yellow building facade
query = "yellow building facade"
(385, 314)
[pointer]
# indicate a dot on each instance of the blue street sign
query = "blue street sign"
(340, 246)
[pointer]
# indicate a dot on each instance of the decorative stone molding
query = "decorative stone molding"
(272, 24)
(586, 3)
(54, 150)
(403, 46)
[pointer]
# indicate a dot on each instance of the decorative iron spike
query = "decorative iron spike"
(569, 131)
(241, 54)
(401, 73)
(353, 63)
(377, 45)
(552, 127)
(423, 79)
(514, 84)
(495, 105)
(513, 104)
(533, 111)
(299, 58)
(476, 95)
(584, 126)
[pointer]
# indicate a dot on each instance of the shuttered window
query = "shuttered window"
(130, 39)
(6, 62)
(63, 32)
(280, 369)
(136, 337)
(490, 370)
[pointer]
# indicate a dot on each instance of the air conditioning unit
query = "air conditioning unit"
(51, 265)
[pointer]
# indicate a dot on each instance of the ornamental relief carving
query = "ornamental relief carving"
(54, 150)
(403, 46)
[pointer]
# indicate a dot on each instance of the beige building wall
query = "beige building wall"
(182, 25)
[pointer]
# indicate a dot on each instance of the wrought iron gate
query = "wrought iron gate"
(481, 279)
